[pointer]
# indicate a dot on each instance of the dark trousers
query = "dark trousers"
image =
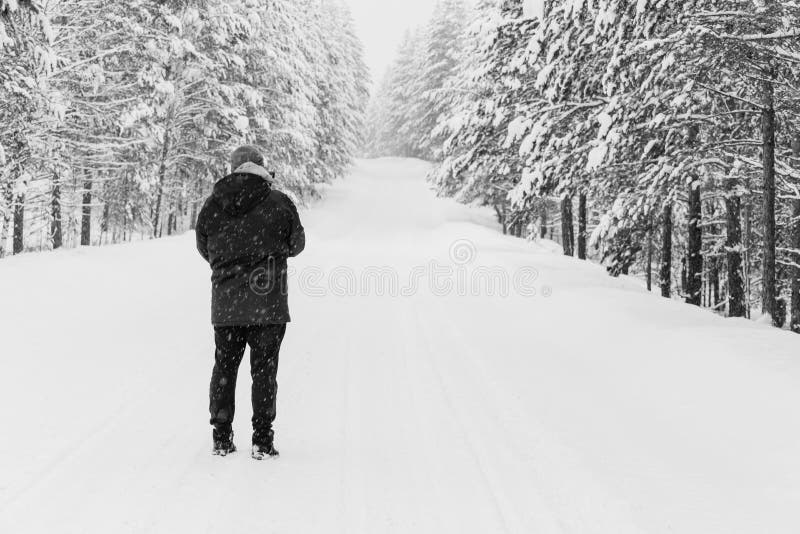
(265, 345)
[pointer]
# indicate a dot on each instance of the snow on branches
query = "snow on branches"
(127, 111)
(674, 123)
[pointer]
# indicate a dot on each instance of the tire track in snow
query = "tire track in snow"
(422, 415)
(560, 502)
(386, 484)
(353, 479)
(53, 468)
(501, 511)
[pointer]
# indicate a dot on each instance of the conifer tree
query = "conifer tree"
(672, 120)
(117, 117)
(412, 98)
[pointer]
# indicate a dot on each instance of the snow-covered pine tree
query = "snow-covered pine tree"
(563, 138)
(676, 118)
(756, 45)
(490, 88)
(652, 59)
(191, 106)
(121, 123)
(310, 90)
(9, 8)
(93, 85)
(280, 70)
(723, 52)
(342, 91)
(23, 105)
(412, 98)
(444, 42)
(395, 102)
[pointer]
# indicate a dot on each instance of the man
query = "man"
(246, 231)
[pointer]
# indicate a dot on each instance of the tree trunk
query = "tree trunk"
(747, 240)
(795, 270)
(6, 223)
(544, 220)
(582, 224)
(684, 278)
(733, 248)
(194, 214)
(500, 211)
(56, 230)
(162, 173)
(567, 227)
(694, 274)
(86, 213)
(666, 253)
(19, 223)
(105, 222)
(180, 213)
(770, 238)
(713, 283)
(650, 258)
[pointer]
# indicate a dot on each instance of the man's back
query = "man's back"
(246, 231)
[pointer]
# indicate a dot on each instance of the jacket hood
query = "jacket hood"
(240, 192)
(254, 168)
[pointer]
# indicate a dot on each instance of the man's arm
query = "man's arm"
(297, 234)
(201, 233)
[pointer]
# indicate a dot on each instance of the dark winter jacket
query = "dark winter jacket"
(246, 231)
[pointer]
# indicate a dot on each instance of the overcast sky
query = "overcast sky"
(382, 23)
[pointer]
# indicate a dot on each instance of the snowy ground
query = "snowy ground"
(590, 407)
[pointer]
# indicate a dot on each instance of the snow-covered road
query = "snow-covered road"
(410, 401)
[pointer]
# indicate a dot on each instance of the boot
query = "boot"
(264, 452)
(223, 443)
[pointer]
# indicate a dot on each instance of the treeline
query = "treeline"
(116, 117)
(409, 102)
(659, 137)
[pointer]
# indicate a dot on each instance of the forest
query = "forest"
(659, 137)
(118, 116)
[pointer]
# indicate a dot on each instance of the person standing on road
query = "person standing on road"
(246, 231)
